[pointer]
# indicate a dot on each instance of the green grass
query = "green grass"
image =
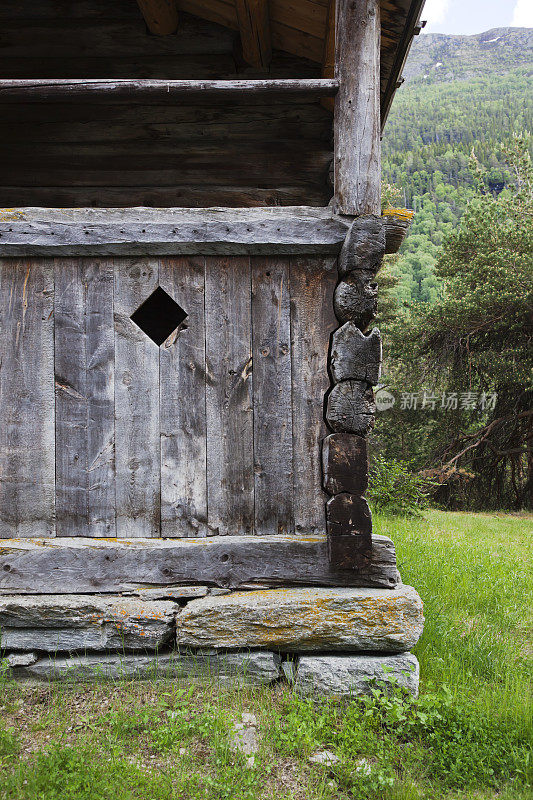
(469, 735)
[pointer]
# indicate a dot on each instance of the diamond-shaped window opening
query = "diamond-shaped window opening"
(159, 316)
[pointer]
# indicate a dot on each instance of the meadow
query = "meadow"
(469, 735)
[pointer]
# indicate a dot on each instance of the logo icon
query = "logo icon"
(384, 400)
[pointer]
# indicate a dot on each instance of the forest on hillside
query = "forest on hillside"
(456, 302)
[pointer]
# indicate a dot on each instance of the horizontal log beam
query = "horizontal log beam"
(16, 91)
(77, 565)
(78, 232)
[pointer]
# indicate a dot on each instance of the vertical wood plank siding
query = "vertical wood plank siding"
(182, 403)
(26, 398)
(138, 451)
(230, 445)
(312, 322)
(85, 408)
(271, 331)
(215, 432)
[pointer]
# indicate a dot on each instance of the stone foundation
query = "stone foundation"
(324, 640)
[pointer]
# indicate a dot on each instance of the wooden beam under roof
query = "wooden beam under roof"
(254, 27)
(161, 16)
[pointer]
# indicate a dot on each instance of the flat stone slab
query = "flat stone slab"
(245, 667)
(345, 675)
(56, 623)
(303, 620)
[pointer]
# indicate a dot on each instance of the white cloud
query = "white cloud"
(435, 11)
(523, 14)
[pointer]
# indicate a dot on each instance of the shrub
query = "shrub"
(395, 490)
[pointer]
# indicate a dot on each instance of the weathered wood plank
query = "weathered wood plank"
(349, 525)
(271, 332)
(71, 420)
(182, 403)
(137, 448)
(27, 461)
(190, 196)
(357, 112)
(84, 382)
(97, 565)
(254, 29)
(230, 462)
(312, 322)
(100, 384)
(130, 231)
(161, 16)
(113, 90)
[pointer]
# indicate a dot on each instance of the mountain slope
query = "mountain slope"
(464, 97)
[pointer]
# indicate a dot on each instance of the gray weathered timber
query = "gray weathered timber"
(169, 593)
(349, 514)
(272, 418)
(84, 382)
(149, 231)
(182, 404)
(354, 355)
(113, 90)
(348, 675)
(364, 246)
(137, 446)
(55, 623)
(357, 108)
(312, 322)
(305, 619)
(81, 566)
(250, 667)
(27, 398)
(356, 299)
(345, 463)
(254, 30)
(229, 411)
(351, 408)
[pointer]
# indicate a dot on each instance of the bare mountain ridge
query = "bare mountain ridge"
(437, 57)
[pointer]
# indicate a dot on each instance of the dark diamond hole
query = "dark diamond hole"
(159, 316)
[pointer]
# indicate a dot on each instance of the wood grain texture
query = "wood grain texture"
(272, 402)
(345, 463)
(351, 408)
(115, 90)
(356, 298)
(138, 451)
(182, 400)
(312, 321)
(161, 16)
(27, 398)
(84, 382)
(254, 28)
(357, 111)
(189, 231)
(82, 566)
(349, 526)
(354, 355)
(230, 456)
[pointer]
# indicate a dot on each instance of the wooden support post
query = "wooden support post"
(161, 16)
(328, 59)
(357, 117)
(254, 28)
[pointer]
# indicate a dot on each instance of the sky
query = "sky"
(475, 16)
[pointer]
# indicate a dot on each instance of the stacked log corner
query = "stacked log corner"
(354, 367)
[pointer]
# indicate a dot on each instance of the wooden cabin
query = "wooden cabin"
(190, 196)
